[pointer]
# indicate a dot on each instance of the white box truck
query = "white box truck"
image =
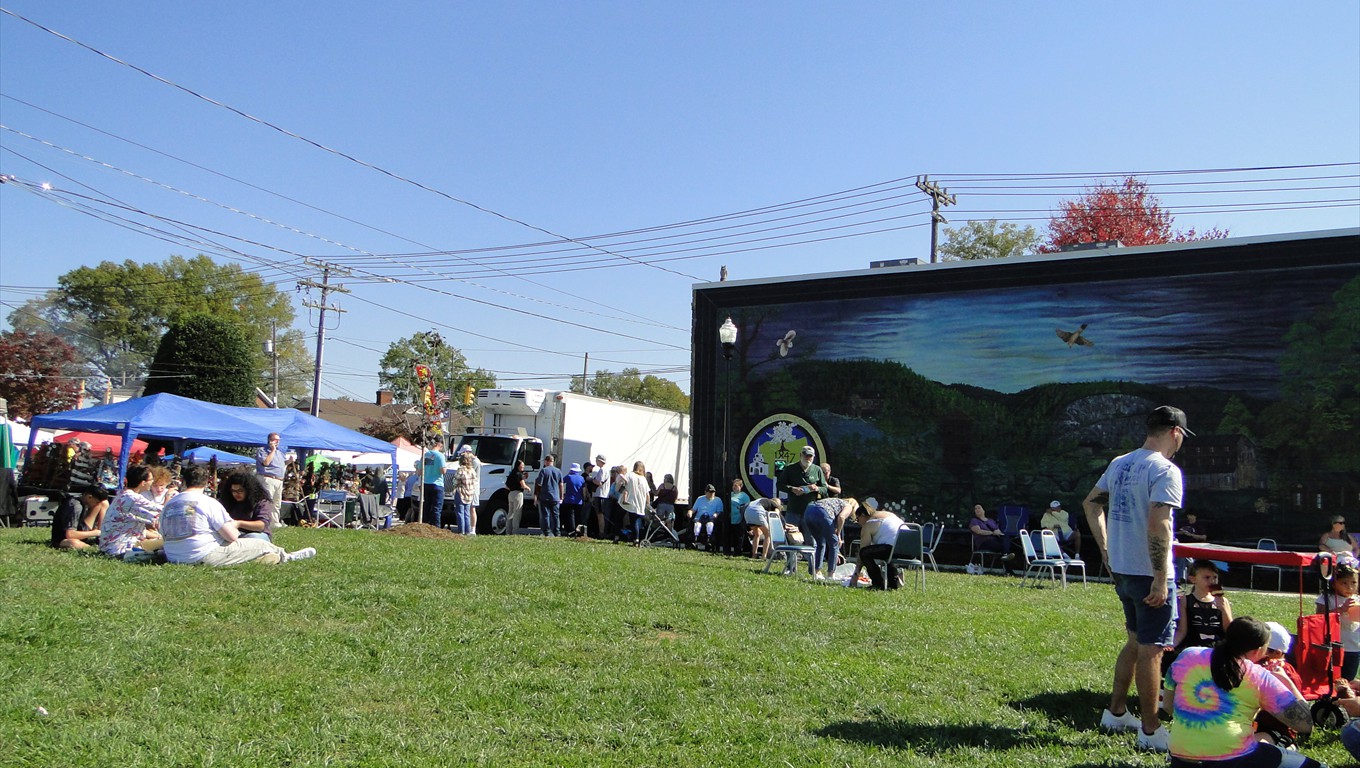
(526, 424)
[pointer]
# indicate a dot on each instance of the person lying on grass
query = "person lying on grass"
(197, 529)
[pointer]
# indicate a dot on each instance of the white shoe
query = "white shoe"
(1157, 741)
(301, 554)
(1125, 722)
(819, 576)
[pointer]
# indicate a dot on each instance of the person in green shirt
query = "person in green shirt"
(804, 483)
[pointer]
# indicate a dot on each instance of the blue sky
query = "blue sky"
(590, 118)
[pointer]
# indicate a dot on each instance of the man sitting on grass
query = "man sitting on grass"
(197, 529)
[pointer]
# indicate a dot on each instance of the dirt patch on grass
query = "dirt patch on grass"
(422, 531)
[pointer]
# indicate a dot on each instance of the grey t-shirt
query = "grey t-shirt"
(1135, 481)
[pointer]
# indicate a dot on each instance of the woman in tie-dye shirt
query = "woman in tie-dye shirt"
(131, 518)
(1214, 695)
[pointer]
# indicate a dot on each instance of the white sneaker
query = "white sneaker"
(301, 554)
(1125, 722)
(1154, 742)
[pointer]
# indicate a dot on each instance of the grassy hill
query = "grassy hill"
(391, 651)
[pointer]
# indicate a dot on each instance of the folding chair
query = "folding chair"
(1034, 564)
(779, 545)
(1053, 551)
(1270, 545)
(930, 539)
(908, 550)
(330, 509)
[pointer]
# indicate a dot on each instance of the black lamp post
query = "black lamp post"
(727, 335)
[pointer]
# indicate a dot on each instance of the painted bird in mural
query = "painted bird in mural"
(786, 343)
(1075, 337)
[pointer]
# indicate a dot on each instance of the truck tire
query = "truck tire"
(493, 516)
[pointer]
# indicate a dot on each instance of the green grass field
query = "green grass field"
(393, 651)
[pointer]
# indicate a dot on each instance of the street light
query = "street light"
(727, 336)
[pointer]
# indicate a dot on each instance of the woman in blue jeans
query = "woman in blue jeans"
(823, 522)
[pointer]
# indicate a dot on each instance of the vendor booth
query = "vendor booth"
(183, 420)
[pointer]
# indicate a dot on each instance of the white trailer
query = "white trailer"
(526, 424)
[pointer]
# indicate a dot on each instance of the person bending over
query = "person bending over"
(878, 535)
(197, 529)
(77, 527)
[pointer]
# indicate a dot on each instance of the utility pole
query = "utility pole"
(938, 197)
(274, 353)
(585, 376)
(326, 288)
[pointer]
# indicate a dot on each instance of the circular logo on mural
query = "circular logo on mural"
(774, 443)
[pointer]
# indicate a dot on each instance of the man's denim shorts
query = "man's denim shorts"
(1152, 626)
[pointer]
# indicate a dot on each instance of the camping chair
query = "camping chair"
(931, 534)
(980, 556)
(1270, 545)
(330, 509)
(908, 550)
(1034, 564)
(779, 544)
(1053, 551)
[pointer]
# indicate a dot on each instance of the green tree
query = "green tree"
(115, 314)
(36, 373)
(205, 357)
(452, 375)
(989, 239)
(1316, 425)
(630, 386)
(1237, 419)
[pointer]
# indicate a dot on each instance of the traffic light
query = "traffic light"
(469, 395)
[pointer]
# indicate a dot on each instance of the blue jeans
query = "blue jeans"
(462, 515)
(549, 516)
(825, 543)
(255, 535)
(1152, 626)
(434, 504)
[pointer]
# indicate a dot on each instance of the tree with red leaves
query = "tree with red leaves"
(35, 373)
(1126, 212)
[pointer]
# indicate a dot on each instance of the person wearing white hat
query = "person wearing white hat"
(598, 488)
(476, 486)
(1057, 520)
(800, 484)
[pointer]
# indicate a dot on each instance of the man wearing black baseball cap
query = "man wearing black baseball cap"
(1142, 490)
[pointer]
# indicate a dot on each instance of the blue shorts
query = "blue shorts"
(1152, 626)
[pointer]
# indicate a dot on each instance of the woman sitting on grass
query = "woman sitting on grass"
(1214, 695)
(248, 503)
(131, 519)
(80, 528)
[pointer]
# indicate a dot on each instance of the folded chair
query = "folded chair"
(1035, 564)
(1053, 551)
(779, 545)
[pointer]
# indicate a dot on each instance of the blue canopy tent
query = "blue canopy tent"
(171, 417)
(203, 454)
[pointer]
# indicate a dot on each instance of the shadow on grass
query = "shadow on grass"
(934, 738)
(1078, 710)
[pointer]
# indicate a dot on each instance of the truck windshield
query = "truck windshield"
(492, 449)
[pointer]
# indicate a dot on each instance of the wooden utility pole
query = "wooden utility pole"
(326, 288)
(938, 197)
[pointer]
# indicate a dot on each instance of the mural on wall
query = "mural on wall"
(1023, 394)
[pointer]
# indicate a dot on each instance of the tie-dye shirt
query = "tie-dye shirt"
(1211, 723)
(125, 522)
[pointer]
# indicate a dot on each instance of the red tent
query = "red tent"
(100, 442)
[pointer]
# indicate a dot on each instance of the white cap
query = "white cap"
(1279, 637)
(871, 503)
(1055, 504)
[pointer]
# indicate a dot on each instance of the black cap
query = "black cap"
(710, 488)
(1167, 416)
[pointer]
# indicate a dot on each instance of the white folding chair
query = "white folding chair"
(1035, 564)
(1053, 551)
(779, 545)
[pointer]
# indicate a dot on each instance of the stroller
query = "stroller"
(1317, 655)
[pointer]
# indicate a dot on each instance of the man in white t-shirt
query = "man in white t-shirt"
(1142, 490)
(197, 529)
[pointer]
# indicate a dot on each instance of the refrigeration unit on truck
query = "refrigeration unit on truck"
(527, 424)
